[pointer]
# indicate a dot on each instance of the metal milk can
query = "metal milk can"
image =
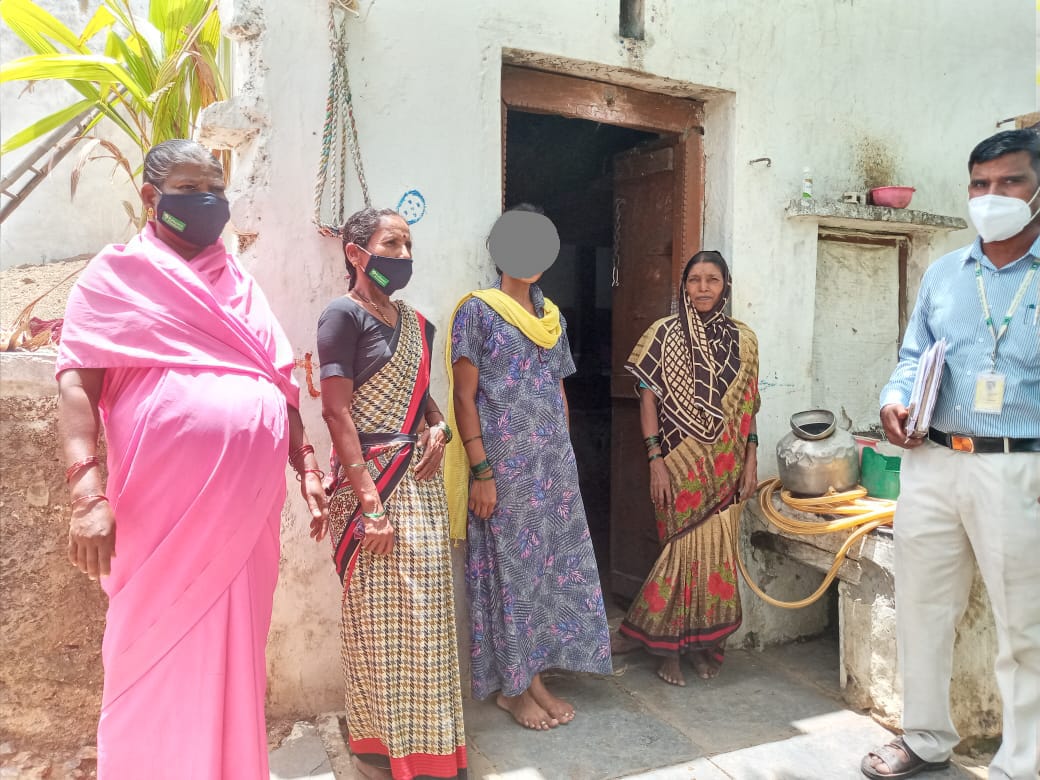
(817, 456)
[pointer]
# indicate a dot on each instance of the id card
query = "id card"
(989, 392)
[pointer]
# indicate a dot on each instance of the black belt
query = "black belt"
(384, 439)
(984, 444)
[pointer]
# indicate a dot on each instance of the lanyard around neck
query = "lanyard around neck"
(1015, 303)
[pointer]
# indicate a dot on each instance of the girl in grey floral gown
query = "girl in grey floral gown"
(535, 596)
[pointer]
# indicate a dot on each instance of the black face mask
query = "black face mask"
(389, 273)
(197, 217)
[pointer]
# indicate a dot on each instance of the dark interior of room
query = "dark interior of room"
(565, 166)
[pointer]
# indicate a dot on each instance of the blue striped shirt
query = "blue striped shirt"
(948, 306)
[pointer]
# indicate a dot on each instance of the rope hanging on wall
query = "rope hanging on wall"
(339, 137)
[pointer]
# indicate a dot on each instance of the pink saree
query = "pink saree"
(194, 405)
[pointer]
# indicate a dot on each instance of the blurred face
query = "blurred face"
(704, 286)
(526, 279)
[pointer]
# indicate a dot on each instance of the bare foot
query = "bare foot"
(621, 644)
(369, 771)
(557, 708)
(527, 712)
(671, 672)
(705, 664)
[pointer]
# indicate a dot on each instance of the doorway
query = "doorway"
(565, 166)
(619, 171)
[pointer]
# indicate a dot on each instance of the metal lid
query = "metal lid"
(813, 425)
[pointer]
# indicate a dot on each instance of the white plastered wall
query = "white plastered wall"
(844, 86)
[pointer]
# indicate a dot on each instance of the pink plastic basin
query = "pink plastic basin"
(896, 197)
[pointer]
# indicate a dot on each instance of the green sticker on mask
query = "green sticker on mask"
(381, 280)
(173, 222)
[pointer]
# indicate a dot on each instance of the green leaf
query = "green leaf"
(117, 48)
(112, 115)
(37, 27)
(71, 67)
(101, 19)
(41, 127)
(151, 77)
(174, 18)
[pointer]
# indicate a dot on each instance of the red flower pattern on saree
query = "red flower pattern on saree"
(745, 425)
(724, 463)
(686, 501)
(719, 587)
(654, 602)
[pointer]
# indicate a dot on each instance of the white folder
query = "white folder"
(926, 390)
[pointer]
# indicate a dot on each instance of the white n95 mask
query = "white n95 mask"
(998, 217)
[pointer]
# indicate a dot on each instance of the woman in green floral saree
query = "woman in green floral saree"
(698, 380)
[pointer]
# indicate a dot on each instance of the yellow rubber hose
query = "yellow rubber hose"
(865, 514)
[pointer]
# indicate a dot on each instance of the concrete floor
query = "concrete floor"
(772, 715)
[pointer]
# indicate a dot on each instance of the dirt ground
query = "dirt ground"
(20, 285)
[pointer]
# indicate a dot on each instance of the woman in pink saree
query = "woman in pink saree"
(171, 346)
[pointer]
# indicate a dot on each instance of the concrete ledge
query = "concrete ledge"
(27, 375)
(875, 219)
(818, 551)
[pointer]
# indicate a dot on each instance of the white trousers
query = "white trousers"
(954, 506)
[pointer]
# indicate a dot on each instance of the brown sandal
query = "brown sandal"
(900, 760)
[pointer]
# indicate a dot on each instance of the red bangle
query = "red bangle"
(319, 472)
(79, 465)
(302, 452)
(102, 496)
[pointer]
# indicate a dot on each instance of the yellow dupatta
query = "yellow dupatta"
(545, 332)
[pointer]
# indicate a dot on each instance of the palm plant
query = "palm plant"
(149, 79)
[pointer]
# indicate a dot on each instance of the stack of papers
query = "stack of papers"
(926, 390)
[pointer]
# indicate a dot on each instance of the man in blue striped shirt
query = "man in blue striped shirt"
(970, 489)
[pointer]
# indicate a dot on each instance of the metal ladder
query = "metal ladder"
(28, 174)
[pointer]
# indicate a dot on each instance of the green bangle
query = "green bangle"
(752, 438)
(654, 457)
(374, 515)
(478, 468)
(443, 425)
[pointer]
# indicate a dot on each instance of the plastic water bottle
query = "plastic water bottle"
(806, 183)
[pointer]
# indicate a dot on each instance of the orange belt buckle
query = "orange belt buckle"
(962, 443)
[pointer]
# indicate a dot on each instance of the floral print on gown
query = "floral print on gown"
(535, 596)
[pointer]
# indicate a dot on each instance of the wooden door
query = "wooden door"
(658, 201)
(657, 208)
